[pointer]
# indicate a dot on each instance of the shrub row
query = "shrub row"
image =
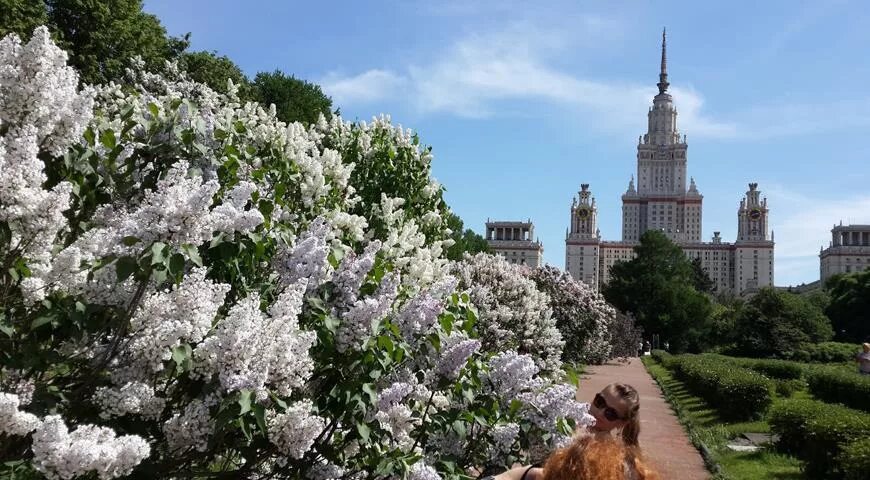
(837, 385)
(737, 393)
(825, 352)
(854, 460)
(771, 368)
(822, 435)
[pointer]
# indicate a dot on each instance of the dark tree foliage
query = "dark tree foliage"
(625, 335)
(658, 288)
(295, 100)
(102, 36)
(465, 239)
(849, 308)
(701, 280)
(214, 70)
(21, 17)
(775, 323)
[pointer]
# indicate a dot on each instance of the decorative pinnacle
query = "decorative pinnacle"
(663, 75)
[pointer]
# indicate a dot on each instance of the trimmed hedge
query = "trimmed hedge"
(737, 393)
(854, 460)
(771, 368)
(818, 433)
(840, 386)
(780, 369)
(825, 352)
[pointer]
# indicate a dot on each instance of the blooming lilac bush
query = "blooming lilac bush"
(513, 312)
(582, 315)
(193, 288)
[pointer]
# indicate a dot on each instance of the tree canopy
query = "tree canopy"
(464, 239)
(775, 323)
(849, 308)
(295, 100)
(214, 70)
(658, 287)
(101, 37)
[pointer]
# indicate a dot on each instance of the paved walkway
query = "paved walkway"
(662, 438)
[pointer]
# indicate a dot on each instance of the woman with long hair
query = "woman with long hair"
(588, 458)
(617, 407)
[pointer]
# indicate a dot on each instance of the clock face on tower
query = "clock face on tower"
(582, 212)
(755, 213)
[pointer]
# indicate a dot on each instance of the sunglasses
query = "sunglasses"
(610, 413)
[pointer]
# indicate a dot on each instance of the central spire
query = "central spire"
(663, 75)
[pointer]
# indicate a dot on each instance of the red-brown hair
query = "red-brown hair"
(597, 458)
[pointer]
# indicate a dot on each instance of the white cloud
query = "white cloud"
(478, 73)
(367, 87)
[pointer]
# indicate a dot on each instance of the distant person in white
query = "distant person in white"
(863, 360)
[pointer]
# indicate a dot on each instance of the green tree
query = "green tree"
(102, 36)
(775, 323)
(701, 280)
(21, 17)
(295, 100)
(214, 70)
(465, 239)
(658, 288)
(849, 309)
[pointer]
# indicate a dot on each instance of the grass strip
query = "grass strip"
(710, 434)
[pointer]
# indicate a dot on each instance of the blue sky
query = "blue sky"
(524, 101)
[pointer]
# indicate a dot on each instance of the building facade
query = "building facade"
(515, 241)
(849, 251)
(667, 199)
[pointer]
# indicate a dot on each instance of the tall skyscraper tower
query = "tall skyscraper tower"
(667, 199)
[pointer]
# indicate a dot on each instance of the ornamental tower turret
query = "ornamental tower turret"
(752, 223)
(661, 153)
(584, 215)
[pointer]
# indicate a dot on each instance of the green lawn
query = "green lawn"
(705, 426)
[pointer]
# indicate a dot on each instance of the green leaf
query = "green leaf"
(8, 330)
(260, 416)
(107, 138)
(154, 109)
(245, 430)
(89, 136)
(157, 253)
(130, 241)
(40, 321)
(176, 263)
(372, 393)
(181, 355)
(363, 431)
(124, 267)
(192, 254)
(245, 401)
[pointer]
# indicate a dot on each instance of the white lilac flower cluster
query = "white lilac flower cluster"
(510, 374)
(295, 430)
(59, 453)
(250, 349)
(419, 314)
(166, 320)
(360, 320)
(190, 429)
(41, 110)
(456, 349)
(12, 420)
(352, 271)
(512, 311)
(405, 245)
(131, 398)
(545, 406)
(582, 315)
(421, 471)
(308, 258)
(503, 439)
